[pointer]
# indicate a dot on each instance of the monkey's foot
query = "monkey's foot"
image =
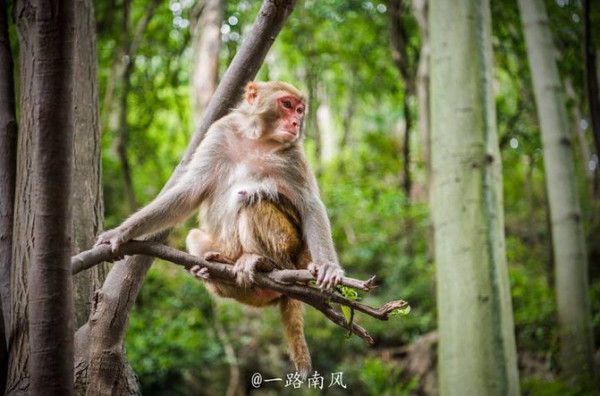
(200, 272)
(247, 265)
(218, 257)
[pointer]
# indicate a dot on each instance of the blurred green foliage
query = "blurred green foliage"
(178, 336)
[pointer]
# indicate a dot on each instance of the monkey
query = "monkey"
(259, 205)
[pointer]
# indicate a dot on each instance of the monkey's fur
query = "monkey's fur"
(259, 205)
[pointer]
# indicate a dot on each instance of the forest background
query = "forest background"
(364, 66)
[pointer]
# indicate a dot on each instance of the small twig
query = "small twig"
(292, 283)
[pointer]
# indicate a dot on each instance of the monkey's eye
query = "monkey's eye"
(287, 104)
(300, 110)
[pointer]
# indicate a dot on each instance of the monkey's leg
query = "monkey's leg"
(201, 244)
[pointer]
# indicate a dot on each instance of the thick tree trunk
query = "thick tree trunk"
(477, 352)
(102, 338)
(88, 211)
(8, 164)
(206, 45)
(570, 254)
(50, 297)
(8, 172)
(23, 241)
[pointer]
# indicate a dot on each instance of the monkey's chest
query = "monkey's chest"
(250, 181)
(242, 187)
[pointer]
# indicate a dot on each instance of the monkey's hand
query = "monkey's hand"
(246, 266)
(327, 275)
(115, 238)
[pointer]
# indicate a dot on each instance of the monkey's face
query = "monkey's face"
(289, 125)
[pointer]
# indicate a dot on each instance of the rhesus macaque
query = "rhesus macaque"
(259, 205)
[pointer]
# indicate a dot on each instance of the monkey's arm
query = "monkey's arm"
(171, 207)
(317, 230)
(168, 209)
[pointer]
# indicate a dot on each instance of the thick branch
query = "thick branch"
(293, 283)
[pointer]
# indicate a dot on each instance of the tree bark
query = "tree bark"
(8, 172)
(24, 217)
(88, 211)
(50, 297)
(112, 304)
(570, 254)
(466, 201)
(8, 164)
(206, 45)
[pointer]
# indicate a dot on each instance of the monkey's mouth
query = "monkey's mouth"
(288, 132)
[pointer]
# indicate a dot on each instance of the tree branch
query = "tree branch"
(292, 283)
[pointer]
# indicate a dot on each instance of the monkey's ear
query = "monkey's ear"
(251, 92)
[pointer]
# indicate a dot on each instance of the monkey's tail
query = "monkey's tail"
(293, 327)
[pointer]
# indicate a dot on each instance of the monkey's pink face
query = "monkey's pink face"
(292, 114)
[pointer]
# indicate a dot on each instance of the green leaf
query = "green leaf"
(346, 312)
(349, 293)
(401, 311)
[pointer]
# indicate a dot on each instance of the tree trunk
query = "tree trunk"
(122, 141)
(23, 242)
(206, 45)
(422, 83)
(570, 254)
(477, 353)
(88, 211)
(8, 165)
(405, 65)
(8, 171)
(50, 296)
(101, 340)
